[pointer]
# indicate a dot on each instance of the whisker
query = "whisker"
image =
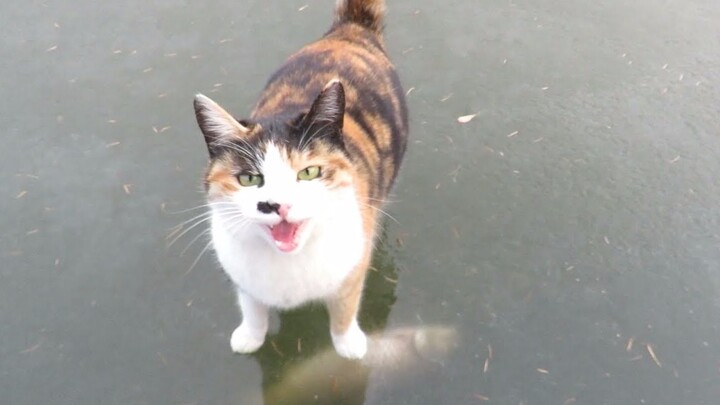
(205, 232)
(382, 212)
(380, 200)
(226, 210)
(238, 225)
(219, 210)
(200, 219)
(173, 231)
(204, 214)
(200, 207)
(303, 144)
(207, 246)
(209, 212)
(229, 212)
(248, 151)
(188, 230)
(237, 215)
(177, 228)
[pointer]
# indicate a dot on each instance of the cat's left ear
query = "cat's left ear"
(216, 124)
(325, 118)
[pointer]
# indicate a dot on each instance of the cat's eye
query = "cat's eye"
(309, 173)
(250, 180)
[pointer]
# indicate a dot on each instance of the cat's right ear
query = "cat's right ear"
(216, 124)
(325, 118)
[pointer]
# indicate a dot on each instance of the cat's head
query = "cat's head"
(276, 179)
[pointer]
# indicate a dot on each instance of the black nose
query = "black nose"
(268, 207)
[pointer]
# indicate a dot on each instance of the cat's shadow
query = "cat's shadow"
(298, 363)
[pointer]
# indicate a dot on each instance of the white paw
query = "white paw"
(244, 340)
(351, 344)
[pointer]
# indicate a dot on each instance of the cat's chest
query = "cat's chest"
(286, 281)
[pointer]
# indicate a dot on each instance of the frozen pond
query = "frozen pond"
(569, 232)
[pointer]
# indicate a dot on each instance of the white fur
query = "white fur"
(352, 344)
(330, 246)
(250, 335)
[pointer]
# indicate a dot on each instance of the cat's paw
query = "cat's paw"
(351, 344)
(244, 340)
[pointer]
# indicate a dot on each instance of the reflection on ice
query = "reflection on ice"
(393, 356)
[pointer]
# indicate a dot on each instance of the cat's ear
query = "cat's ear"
(216, 124)
(325, 118)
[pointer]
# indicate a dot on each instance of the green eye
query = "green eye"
(309, 173)
(250, 180)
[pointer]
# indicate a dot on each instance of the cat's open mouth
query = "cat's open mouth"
(286, 235)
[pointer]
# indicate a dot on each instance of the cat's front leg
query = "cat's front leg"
(250, 335)
(348, 339)
(352, 343)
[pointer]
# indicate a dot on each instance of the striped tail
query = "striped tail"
(368, 13)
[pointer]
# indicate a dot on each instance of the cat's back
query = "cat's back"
(376, 123)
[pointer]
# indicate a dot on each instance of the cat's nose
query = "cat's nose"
(266, 207)
(283, 210)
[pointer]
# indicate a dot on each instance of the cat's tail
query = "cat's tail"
(368, 13)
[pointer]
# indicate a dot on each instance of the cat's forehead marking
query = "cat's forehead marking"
(283, 134)
(275, 162)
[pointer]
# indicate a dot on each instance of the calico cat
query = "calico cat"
(296, 190)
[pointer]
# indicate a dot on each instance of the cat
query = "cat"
(295, 191)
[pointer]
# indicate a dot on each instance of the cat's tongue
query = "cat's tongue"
(284, 235)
